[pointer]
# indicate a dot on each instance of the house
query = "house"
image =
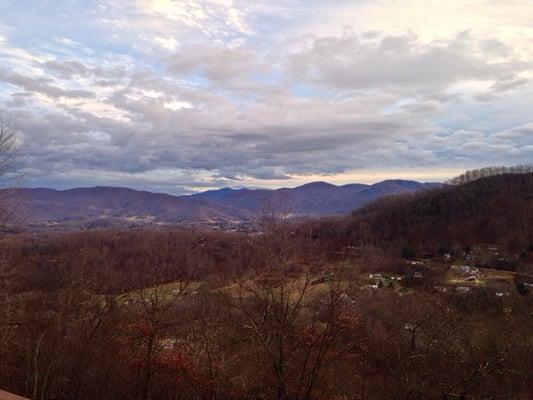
(501, 294)
(462, 289)
(375, 276)
(167, 343)
(352, 250)
(465, 269)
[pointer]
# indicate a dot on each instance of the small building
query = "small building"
(462, 289)
(167, 343)
(465, 269)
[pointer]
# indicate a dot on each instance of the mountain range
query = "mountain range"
(224, 208)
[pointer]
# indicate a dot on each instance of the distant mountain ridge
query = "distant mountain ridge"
(104, 206)
(316, 198)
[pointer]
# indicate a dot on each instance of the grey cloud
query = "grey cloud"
(496, 47)
(66, 69)
(59, 143)
(354, 62)
(69, 69)
(513, 146)
(216, 63)
(521, 135)
(508, 84)
(208, 139)
(19, 100)
(42, 86)
(330, 136)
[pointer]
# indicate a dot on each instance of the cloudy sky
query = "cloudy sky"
(180, 96)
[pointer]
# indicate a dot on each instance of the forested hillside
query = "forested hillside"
(492, 210)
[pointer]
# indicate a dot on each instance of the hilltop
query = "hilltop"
(496, 209)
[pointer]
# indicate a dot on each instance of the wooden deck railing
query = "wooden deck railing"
(10, 396)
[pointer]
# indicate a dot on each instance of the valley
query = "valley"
(224, 209)
(400, 296)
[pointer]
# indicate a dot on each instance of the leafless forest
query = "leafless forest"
(375, 305)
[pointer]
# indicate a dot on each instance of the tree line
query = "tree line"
(486, 172)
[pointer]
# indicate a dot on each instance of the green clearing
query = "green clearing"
(165, 292)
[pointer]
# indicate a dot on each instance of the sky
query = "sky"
(185, 96)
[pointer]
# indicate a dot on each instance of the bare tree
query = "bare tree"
(154, 316)
(486, 172)
(9, 148)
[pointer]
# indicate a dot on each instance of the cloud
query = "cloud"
(356, 62)
(42, 86)
(215, 63)
(66, 69)
(506, 84)
(166, 43)
(177, 96)
(211, 17)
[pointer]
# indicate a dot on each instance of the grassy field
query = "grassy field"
(165, 292)
(484, 278)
